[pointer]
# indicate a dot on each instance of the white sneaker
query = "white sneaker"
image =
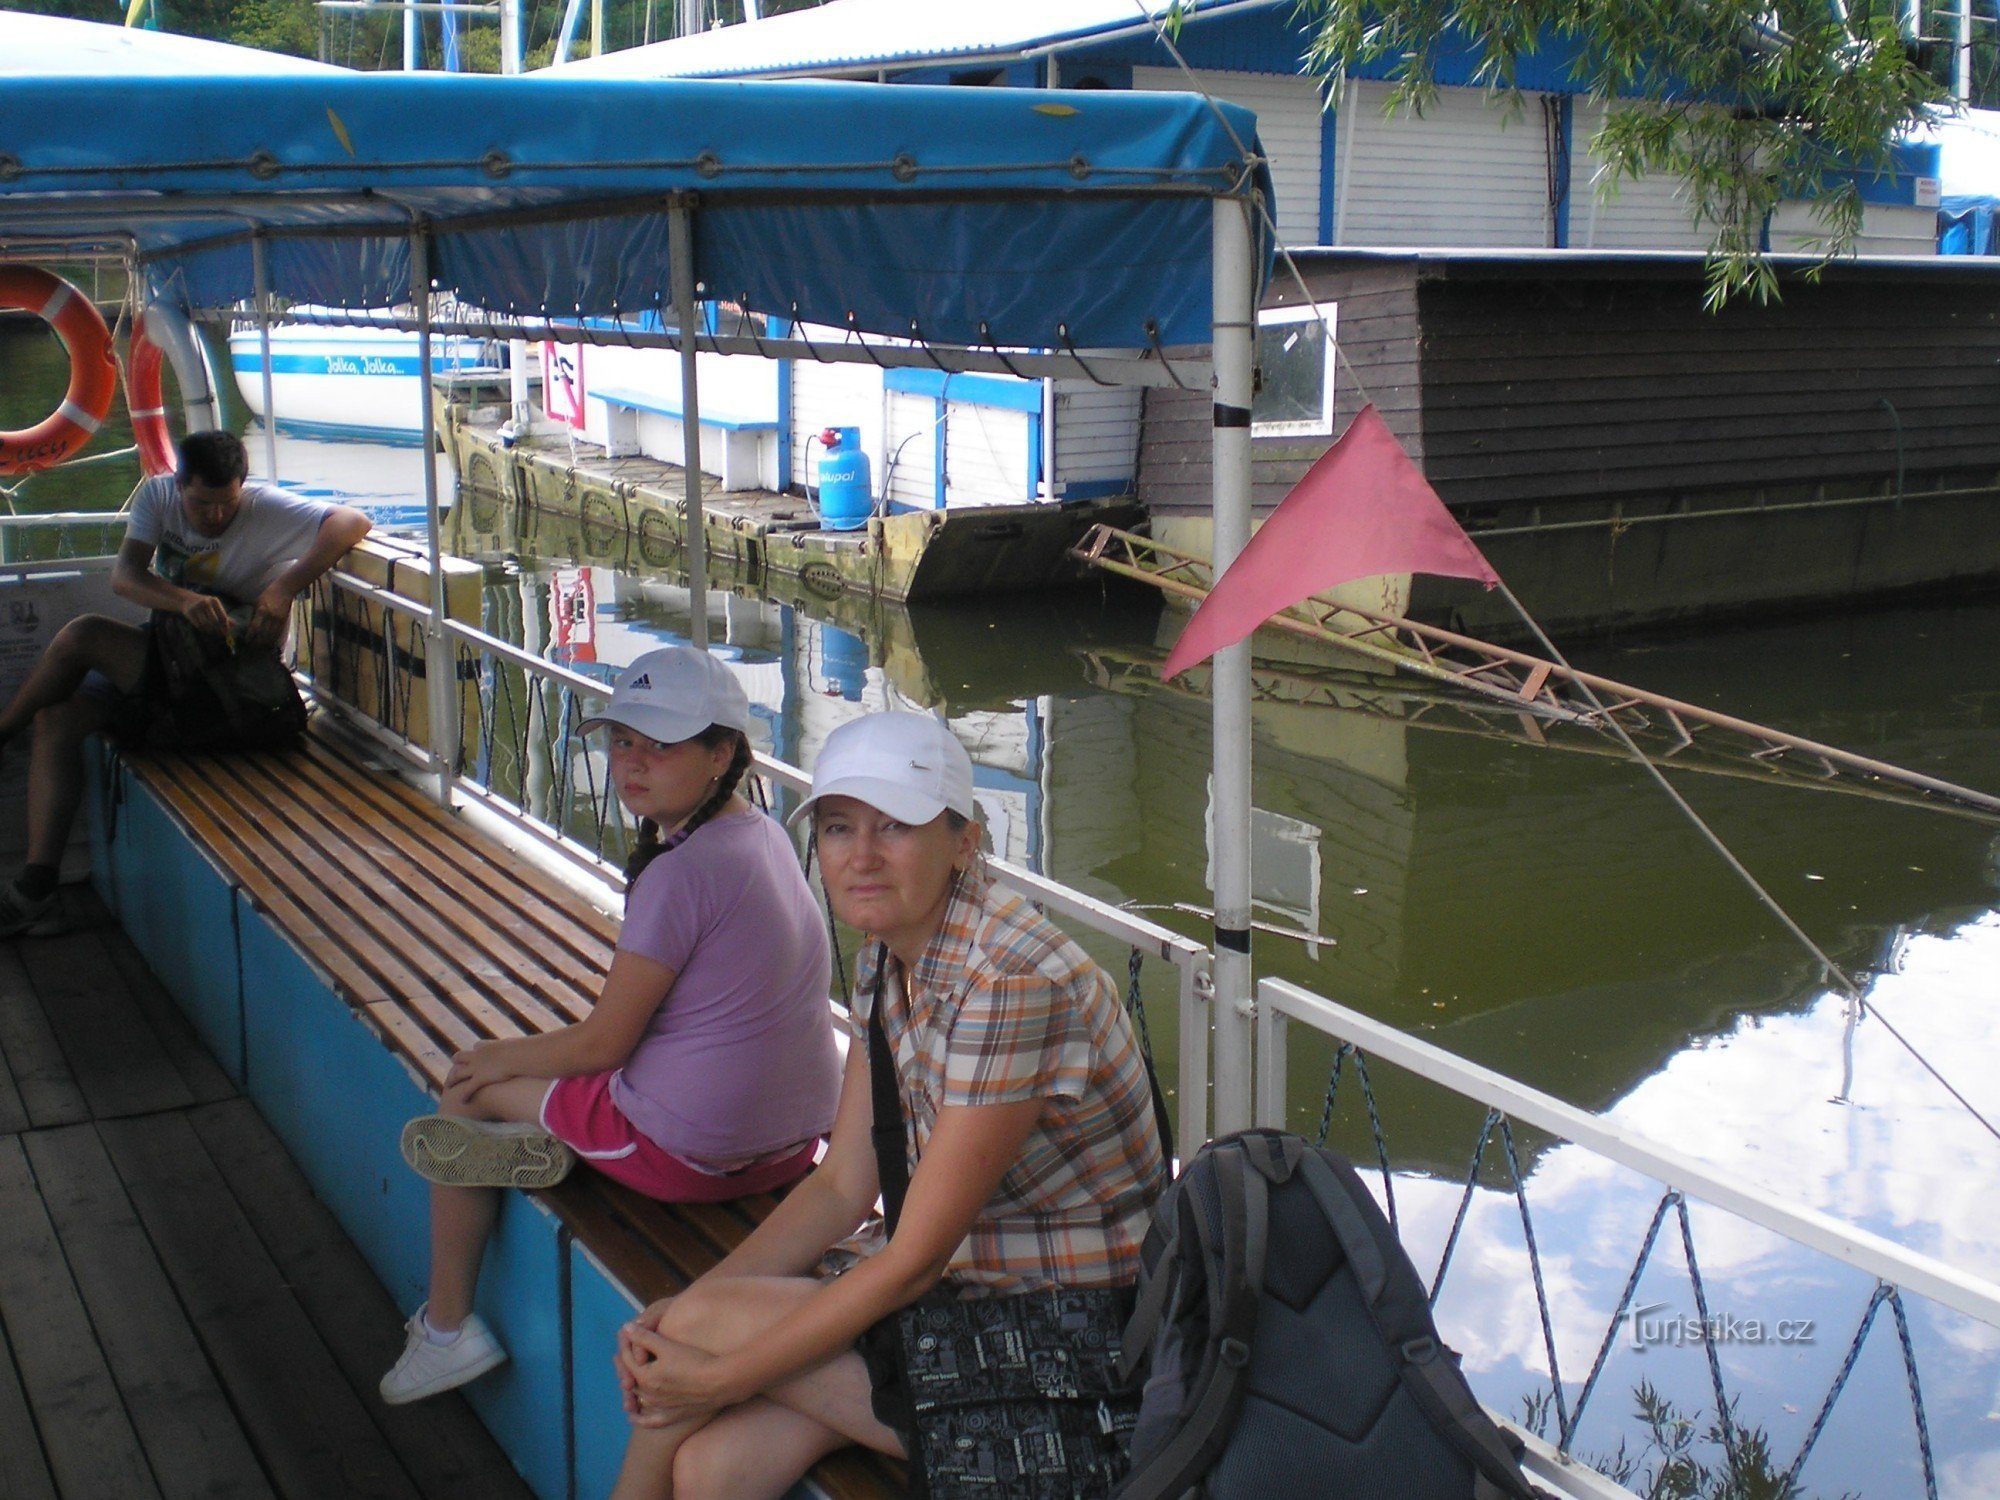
(484, 1153)
(428, 1369)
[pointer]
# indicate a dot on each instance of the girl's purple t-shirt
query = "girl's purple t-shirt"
(739, 1060)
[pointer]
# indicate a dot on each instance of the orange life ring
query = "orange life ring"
(93, 370)
(148, 408)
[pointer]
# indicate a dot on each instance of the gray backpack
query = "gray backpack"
(1289, 1345)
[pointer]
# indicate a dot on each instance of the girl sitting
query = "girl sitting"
(1029, 1129)
(707, 1068)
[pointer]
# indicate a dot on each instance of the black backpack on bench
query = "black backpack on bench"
(209, 694)
(1292, 1350)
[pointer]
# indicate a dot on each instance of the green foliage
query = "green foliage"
(276, 26)
(1678, 1457)
(1752, 102)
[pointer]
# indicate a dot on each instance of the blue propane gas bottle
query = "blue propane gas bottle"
(844, 504)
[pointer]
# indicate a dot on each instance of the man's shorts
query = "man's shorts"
(580, 1113)
(127, 715)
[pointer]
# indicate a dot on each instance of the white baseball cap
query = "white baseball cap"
(673, 694)
(906, 765)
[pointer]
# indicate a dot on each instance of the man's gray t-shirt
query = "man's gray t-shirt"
(271, 531)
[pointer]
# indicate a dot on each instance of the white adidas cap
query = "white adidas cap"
(906, 765)
(673, 694)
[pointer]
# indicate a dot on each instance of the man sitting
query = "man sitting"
(201, 528)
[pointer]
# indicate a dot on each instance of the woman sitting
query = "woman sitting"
(1029, 1129)
(707, 1068)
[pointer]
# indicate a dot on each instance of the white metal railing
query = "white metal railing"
(1895, 1268)
(1279, 1001)
(1192, 963)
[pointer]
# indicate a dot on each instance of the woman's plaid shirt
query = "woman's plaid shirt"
(1001, 1008)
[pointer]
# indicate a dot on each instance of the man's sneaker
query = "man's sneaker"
(23, 916)
(428, 1368)
(484, 1153)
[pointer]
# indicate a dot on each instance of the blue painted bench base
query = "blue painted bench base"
(337, 1096)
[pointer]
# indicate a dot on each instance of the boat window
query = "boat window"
(1295, 350)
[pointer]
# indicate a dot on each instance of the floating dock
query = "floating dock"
(754, 534)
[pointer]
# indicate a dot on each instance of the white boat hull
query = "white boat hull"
(348, 382)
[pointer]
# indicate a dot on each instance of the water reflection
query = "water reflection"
(1545, 913)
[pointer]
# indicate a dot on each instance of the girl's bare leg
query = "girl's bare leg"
(462, 1218)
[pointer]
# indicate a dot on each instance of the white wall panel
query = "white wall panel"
(1097, 433)
(912, 443)
(1886, 229)
(985, 456)
(1645, 213)
(1464, 173)
(1288, 125)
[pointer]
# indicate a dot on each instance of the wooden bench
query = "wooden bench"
(432, 938)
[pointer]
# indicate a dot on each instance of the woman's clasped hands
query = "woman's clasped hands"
(663, 1380)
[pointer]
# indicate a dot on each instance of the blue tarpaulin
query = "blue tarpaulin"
(964, 216)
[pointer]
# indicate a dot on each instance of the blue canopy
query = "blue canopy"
(964, 216)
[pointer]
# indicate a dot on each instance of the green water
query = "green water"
(1545, 912)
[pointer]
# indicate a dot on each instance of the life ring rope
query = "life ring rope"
(93, 370)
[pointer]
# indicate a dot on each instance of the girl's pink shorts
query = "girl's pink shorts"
(580, 1112)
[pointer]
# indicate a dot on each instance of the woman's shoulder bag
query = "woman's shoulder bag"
(1016, 1395)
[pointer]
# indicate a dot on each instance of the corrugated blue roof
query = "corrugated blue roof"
(862, 35)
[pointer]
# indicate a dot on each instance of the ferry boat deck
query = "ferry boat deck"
(179, 1314)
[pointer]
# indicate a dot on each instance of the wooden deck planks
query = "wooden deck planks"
(177, 1407)
(179, 1316)
(112, 1051)
(39, 1074)
(441, 1443)
(86, 1433)
(24, 1471)
(308, 1423)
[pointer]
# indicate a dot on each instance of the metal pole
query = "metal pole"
(1962, 73)
(260, 269)
(440, 675)
(1234, 338)
(680, 226)
(410, 39)
(510, 36)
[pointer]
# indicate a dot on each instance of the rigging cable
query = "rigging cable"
(1831, 971)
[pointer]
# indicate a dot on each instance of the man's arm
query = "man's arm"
(132, 577)
(341, 528)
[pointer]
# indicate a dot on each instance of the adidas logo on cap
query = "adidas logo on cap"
(645, 681)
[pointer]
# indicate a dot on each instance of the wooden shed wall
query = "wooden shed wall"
(1378, 334)
(1538, 388)
(1525, 382)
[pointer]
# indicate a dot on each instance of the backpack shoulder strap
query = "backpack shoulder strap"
(1158, 1284)
(1455, 1412)
(1430, 1379)
(1244, 1234)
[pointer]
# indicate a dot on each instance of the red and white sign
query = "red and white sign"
(562, 383)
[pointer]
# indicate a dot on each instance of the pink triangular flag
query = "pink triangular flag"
(1363, 510)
